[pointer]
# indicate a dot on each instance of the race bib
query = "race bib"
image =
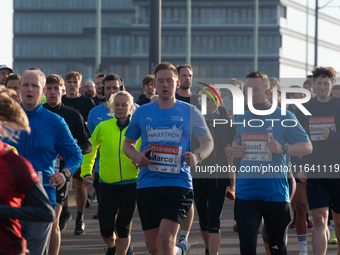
(57, 165)
(40, 177)
(317, 123)
(165, 158)
(255, 146)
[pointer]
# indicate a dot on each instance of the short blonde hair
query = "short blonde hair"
(42, 77)
(121, 93)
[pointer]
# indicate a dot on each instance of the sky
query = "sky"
(332, 9)
(6, 41)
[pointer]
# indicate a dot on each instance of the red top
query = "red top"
(17, 177)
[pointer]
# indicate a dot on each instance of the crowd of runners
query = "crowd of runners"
(142, 153)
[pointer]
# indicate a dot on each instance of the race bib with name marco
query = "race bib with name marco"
(165, 158)
(255, 146)
(317, 123)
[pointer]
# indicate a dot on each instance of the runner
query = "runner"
(118, 176)
(49, 137)
(210, 192)
(18, 180)
(264, 194)
(323, 127)
(55, 87)
(164, 187)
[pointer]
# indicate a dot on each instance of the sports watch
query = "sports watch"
(66, 174)
(200, 156)
(284, 148)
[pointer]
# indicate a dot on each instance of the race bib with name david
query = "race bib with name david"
(317, 123)
(166, 158)
(255, 146)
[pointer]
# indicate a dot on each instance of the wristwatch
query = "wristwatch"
(284, 148)
(200, 156)
(66, 174)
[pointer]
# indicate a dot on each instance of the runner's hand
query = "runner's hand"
(58, 180)
(190, 158)
(274, 146)
(142, 160)
(325, 133)
(227, 150)
(87, 181)
(237, 150)
(302, 177)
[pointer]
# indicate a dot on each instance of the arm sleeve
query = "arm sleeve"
(238, 133)
(67, 148)
(295, 134)
(40, 209)
(89, 159)
(133, 131)
(199, 126)
(90, 123)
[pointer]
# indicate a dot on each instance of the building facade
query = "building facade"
(58, 36)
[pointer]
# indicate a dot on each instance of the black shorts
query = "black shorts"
(324, 193)
(157, 203)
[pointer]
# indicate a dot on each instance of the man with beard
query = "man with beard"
(184, 93)
(99, 98)
(88, 89)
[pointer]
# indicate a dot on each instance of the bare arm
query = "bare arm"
(129, 148)
(206, 147)
(296, 149)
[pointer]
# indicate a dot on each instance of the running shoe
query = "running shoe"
(231, 194)
(292, 225)
(80, 228)
(182, 238)
(95, 216)
(130, 250)
(309, 223)
(185, 246)
(303, 252)
(110, 251)
(63, 220)
(334, 240)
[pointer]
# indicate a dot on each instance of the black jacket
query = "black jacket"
(222, 135)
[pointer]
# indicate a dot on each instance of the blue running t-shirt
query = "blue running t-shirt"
(262, 174)
(169, 132)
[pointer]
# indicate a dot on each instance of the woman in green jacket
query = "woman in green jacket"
(117, 175)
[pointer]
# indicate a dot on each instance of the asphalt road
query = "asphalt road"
(91, 242)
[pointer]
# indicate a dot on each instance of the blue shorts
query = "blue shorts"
(324, 193)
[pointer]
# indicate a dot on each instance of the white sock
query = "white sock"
(185, 234)
(178, 250)
(302, 241)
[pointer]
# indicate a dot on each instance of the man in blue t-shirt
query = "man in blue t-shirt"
(164, 181)
(261, 186)
(322, 166)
